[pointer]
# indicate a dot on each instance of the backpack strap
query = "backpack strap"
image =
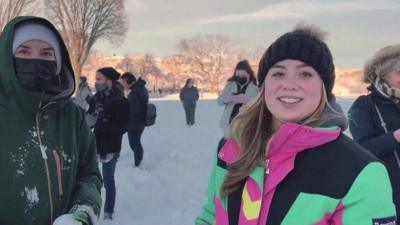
(220, 162)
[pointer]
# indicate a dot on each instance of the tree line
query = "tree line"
(81, 22)
(207, 58)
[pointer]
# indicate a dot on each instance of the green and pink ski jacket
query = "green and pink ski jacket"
(314, 176)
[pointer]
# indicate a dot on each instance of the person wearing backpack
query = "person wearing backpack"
(138, 99)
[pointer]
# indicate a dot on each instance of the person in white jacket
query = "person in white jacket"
(238, 91)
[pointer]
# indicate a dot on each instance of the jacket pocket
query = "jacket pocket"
(59, 167)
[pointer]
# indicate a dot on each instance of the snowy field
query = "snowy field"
(170, 188)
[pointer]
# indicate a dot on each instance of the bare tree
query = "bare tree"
(95, 61)
(149, 70)
(176, 66)
(126, 65)
(83, 22)
(12, 8)
(210, 56)
(144, 66)
(253, 57)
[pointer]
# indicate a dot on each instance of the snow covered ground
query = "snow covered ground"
(170, 189)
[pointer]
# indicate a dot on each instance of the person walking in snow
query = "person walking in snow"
(375, 118)
(83, 94)
(49, 172)
(189, 95)
(286, 160)
(138, 99)
(239, 90)
(110, 109)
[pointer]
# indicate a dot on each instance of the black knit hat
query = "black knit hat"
(109, 73)
(305, 44)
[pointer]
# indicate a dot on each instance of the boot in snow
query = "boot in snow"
(107, 216)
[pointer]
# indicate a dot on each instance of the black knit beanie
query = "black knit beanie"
(110, 73)
(305, 44)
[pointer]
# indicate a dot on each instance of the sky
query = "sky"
(356, 29)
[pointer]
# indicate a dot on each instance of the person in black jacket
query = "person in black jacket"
(189, 96)
(375, 118)
(111, 110)
(138, 99)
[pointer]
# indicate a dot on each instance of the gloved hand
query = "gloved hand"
(241, 99)
(228, 98)
(67, 219)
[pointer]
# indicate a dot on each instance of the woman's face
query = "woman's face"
(393, 78)
(35, 49)
(125, 84)
(293, 91)
(101, 79)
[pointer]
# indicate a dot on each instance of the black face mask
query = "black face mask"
(37, 75)
(241, 80)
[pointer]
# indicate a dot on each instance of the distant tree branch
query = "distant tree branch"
(84, 22)
(12, 8)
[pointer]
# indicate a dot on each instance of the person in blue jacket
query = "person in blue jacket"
(374, 118)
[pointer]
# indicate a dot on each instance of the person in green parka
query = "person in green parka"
(48, 167)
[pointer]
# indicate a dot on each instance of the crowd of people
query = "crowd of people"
(283, 157)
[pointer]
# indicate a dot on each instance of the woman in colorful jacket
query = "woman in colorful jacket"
(239, 90)
(284, 162)
(375, 118)
(49, 173)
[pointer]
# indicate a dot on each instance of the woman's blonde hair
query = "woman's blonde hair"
(252, 129)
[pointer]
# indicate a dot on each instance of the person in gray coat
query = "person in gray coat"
(83, 93)
(189, 96)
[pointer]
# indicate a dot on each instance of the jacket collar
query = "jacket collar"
(377, 96)
(283, 147)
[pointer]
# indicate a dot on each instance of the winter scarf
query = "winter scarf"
(388, 91)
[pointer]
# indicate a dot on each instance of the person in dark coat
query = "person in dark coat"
(111, 110)
(375, 118)
(138, 99)
(189, 96)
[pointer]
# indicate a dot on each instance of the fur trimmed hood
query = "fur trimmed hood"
(384, 60)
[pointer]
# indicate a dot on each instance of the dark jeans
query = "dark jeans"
(109, 184)
(136, 144)
(190, 112)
